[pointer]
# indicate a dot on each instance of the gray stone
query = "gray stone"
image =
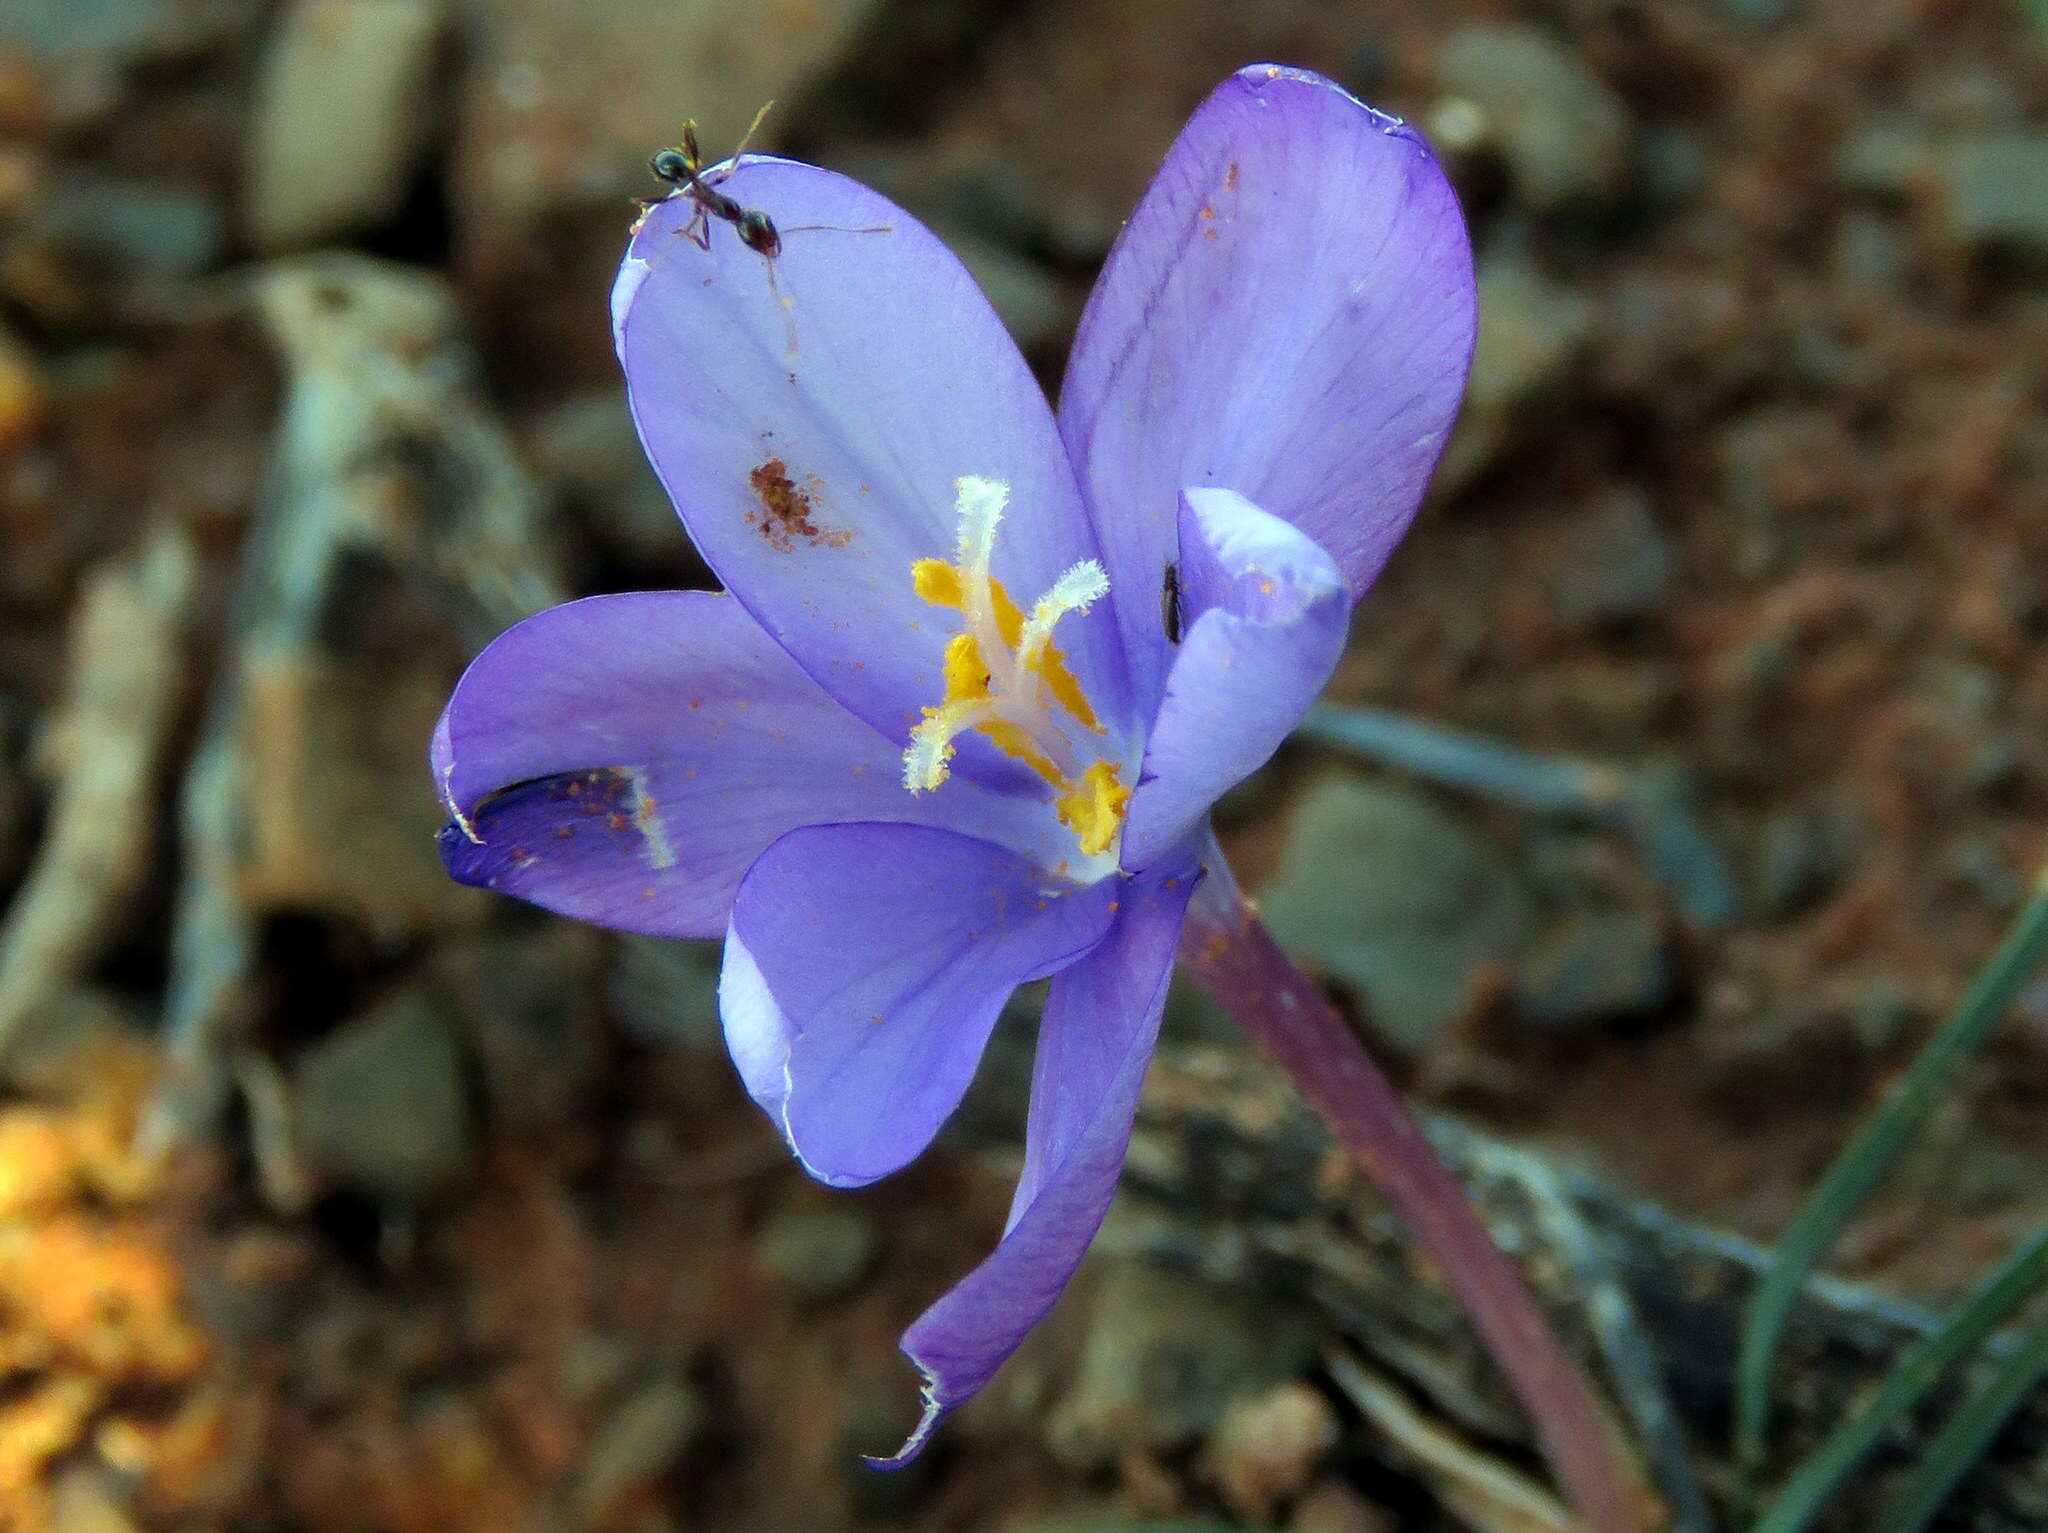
(1882, 1014)
(1885, 158)
(1387, 892)
(1966, 98)
(1994, 189)
(1989, 188)
(1533, 334)
(1164, 1358)
(381, 1104)
(982, 195)
(341, 115)
(1799, 1058)
(1980, 865)
(1616, 561)
(819, 1254)
(1566, 136)
(1801, 856)
(154, 227)
(62, 1050)
(587, 446)
(91, 1497)
(527, 1004)
(1594, 966)
(340, 824)
(13, 801)
(1756, 12)
(533, 136)
(665, 991)
(639, 1441)
(63, 29)
(1871, 251)
(1026, 296)
(1265, 1449)
(1676, 167)
(963, 193)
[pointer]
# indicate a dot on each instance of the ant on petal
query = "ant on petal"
(684, 169)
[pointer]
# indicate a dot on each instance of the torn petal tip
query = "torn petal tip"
(914, 1444)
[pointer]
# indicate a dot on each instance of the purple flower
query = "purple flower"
(982, 670)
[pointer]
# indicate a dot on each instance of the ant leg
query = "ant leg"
(698, 230)
(788, 310)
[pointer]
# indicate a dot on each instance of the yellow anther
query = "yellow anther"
(1009, 620)
(937, 582)
(1094, 808)
(1052, 665)
(944, 585)
(966, 671)
(1004, 676)
(1012, 740)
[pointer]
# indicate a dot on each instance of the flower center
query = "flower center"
(1007, 680)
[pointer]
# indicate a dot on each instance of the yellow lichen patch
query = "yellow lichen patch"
(108, 1299)
(95, 1332)
(1094, 808)
(43, 1424)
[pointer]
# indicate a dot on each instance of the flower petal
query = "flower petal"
(865, 966)
(1289, 313)
(624, 759)
(810, 413)
(1265, 612)
(1101, 1020)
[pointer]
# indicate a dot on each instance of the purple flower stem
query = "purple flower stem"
(1232, 955)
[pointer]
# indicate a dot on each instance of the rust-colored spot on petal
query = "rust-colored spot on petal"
(1230, 177)
(788, 514)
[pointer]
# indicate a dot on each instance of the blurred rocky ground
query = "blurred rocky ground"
(333, 1197)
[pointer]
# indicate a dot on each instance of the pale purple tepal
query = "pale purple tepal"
(982, 670)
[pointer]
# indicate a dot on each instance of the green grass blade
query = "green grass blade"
(1966, 1435)
(1986, 1307)
(1841, 1192)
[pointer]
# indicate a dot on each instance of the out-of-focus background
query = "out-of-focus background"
(333, 1197)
